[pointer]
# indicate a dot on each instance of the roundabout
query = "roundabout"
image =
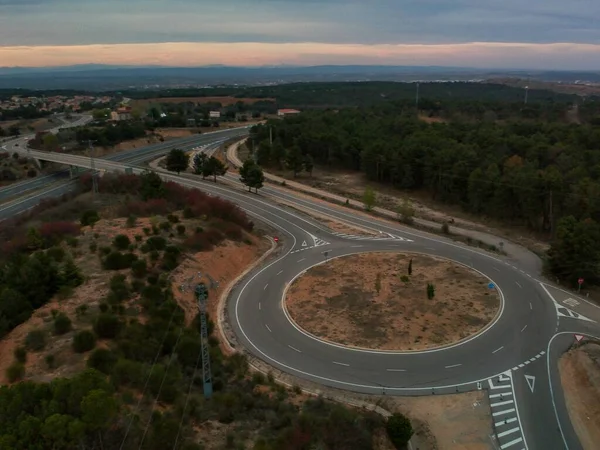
(380, 301)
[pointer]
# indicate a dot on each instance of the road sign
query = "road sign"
(579, 337)
(530, 381)
(580, 281)
(491, 285)
(276, 239)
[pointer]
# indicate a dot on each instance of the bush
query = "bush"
(399, 430)
(165, 226)
(15, 372)
(154, 255)
(156, 243)
(56, 253)
(138, 238)
(146, 231)
(430, 291)
(50, 361)
(72, 242)
(53, 233)
(89, 217)
(180, 229)
(107, 326)
(139, 268)
(445, 228)
(173, 218)
(118, 261)
(62, 324)
(131, 221)
(84, 341)
(93, 247)
(20, 354)
(121, 242)
(35, 340)
(102, 360)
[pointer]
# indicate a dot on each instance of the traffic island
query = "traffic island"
(391, 301)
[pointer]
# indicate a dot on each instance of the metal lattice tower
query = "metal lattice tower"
(202, 296)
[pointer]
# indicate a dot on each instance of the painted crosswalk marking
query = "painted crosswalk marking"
(507, 426)
(380, 237)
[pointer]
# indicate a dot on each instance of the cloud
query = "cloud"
(482, 54)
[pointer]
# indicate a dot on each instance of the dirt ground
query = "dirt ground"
(226, 262)
(352, 185)
(225, 101)
(580, 376)
(351, 312)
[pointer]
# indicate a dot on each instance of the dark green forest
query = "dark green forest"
(541, 174)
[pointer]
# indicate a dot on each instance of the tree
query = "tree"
(62, 324)
(399, 430)
(200, 160)
(217, 168)
(71, 275)
(252, 175)
(89, 217)
(309, 164)
(151, 185)
(51, 142)
(294, 160)
(121, 241)
(369, 198)
(177, 161)
(406, 212)
(99, 408)
(107, 326)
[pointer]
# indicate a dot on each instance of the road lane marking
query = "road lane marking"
(265, 288)
(268, 328)
(506, 411)
(294, 348)
(518, 284)
(530, 305)
(507, 432)
(396, 370)
(280, 272)
(496, 269)
(511, 443)
(506, 402)
(357, 246)
(300, 260)
(505, 422)
(259, 308)
(523, 329)
(502, 394)
(498, 349)
(453, 365)
(341, 364)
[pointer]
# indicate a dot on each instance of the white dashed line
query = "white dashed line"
(268, 328)
(498, 349)
(453, 365)
(341, 364)
(259, 307)
(265, 288)
(357, 246)
(530, 305)
(300, 260)
(506, 411)
(496, 269)
(507, 432)
(506, 402)
(280, 272)
(396, 370)
(523, 329)
(519, 284)
(294, 348)
(511, 443)
(501, 395)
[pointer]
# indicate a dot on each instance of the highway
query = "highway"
(514, 359)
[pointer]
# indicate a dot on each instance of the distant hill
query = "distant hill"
(97, 77)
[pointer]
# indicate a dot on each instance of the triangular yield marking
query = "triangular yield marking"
(530, 381)
(304, 244)
(578, 337)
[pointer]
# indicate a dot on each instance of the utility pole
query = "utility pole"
(417, 98)
(271, 135)
(202, 296)
(526, 93)
(93, 167)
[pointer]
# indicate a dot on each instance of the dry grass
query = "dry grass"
(339, 301)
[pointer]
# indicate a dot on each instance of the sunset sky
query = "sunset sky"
(536, 34)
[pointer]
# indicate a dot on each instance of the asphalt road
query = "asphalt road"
(514, 360)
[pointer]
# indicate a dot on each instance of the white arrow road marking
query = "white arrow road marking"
(530, 381)
(304, 244)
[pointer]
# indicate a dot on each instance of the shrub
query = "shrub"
(84, 341)
(146, 231)
(118, 288)
(93, 247)
(72, 242)
(56, 253)
(81, 310)
(35, 340)
(180, 229)
(53, 233)
(404, 278)
(430, 291)
(107, 326)
(154, 255)
(139, 268)
(445, 228)
(399, 430)
(165, 226)
(89, 217)
(131, 221)
(103, 307)
(20, 354)
(102, 360)
(204, 241)
(138, 238)
(121, 242)
(50, 361)
(105, 250)
(62, 324)
(118, 261)
(15, 372)
(156, 243)
(173, 218)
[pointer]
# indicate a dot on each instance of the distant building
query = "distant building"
(122, 113)
(214, 114)
(287, 112)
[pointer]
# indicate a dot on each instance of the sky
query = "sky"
(532, 34)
